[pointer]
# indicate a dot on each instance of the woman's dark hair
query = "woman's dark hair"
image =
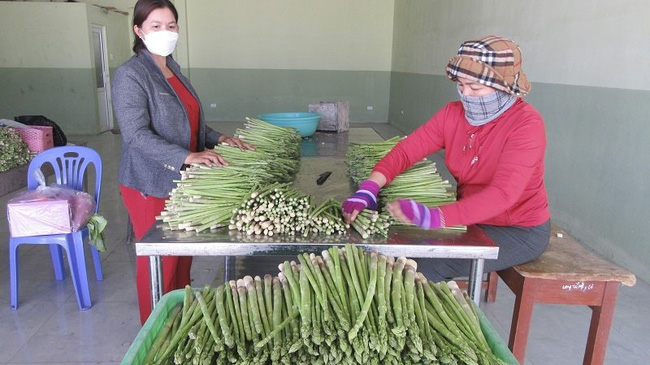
(141, 12)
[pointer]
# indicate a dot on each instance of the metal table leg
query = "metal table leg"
(475, 281)
(229, 268)
(156, 276)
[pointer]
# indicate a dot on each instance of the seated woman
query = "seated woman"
(494, 146)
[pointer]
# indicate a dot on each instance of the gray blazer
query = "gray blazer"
(154, 125)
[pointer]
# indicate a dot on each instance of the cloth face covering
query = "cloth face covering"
(480, 110)
(161, 43)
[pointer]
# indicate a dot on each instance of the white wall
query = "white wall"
(44, 35)
(600, 43)
(47, 64)
(291, 34)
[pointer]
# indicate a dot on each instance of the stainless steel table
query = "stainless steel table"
(323, 149)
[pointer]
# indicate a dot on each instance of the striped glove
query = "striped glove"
(365, 197)
(420, 215)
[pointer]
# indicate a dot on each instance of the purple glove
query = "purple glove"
(365, 197)
(421, 216)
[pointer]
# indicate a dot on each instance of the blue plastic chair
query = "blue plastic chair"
(69, 164)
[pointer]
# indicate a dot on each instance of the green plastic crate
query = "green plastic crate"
(494, 340)
(145, 338)
(140, 347)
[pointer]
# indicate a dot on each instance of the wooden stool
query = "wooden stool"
(566, 273)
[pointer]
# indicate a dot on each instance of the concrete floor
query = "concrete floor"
(49, 328)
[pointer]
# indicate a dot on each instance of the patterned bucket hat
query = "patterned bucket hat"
(492, 61)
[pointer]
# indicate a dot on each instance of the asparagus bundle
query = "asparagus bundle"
(268, 165)
(205, 197)
(344, 307)
(282, 142)
(276, 208)
(362, 157)
(369, 223)
(281, 209)
(205, 202)
(326, 218)
(420, 182)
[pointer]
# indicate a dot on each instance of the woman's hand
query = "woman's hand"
(411, 212)
(396, 212)
(236, 142)
(207, 157)
(365, 197)
(211, 158)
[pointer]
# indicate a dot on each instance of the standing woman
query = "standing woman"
(163, 129)
(494, 146)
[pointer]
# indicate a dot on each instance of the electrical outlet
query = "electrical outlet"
(213, 105)
(370, 107)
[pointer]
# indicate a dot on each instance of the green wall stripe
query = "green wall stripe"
(66, 96)
(240, 93)
(597, 171)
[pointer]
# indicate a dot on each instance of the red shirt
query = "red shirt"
(192, 109)
(499, 166)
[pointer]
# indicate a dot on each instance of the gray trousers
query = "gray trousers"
(517, 245)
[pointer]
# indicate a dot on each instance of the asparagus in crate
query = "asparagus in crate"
(344, 307)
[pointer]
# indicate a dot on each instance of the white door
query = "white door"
(101, 74)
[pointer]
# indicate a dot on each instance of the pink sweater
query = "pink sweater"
(499, 166)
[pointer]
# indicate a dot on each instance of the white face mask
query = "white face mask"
(161, 43)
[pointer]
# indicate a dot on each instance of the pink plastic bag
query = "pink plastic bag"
(49, 210)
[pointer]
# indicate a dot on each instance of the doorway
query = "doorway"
(102, 77)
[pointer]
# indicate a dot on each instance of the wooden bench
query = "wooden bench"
(566, 273)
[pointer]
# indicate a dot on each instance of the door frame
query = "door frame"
(105, 73)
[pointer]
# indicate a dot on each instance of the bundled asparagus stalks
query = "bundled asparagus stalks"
(205, 197)
(420, 182)
(344, 307)
(282, 142)
(276, 208)
(326, 218)
(281, 209)
(362, 157)
(270, 167)
(369, 223)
